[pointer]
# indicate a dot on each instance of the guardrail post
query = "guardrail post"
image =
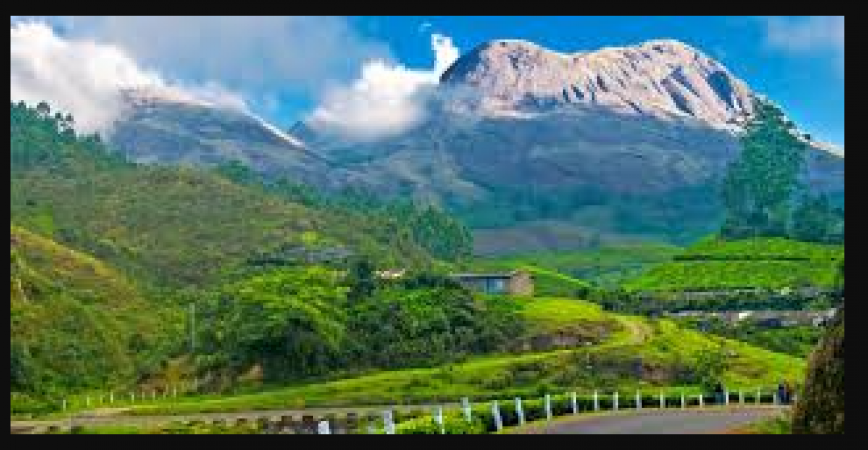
(575, 403)
(323, 427)
(638, 400)
(438, 417)
(388, 423)
(615, 402)
(726, 397)
(701, 401)
(465, 405)
(519, 411)
(683, 401)
(495, 411)
(596, 401)
(662, 401)
(548, 407)
(758, 396)
(741, 397)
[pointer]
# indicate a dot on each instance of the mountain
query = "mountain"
(536, 150)
(162, 126)
(540, 150)
(661, 79)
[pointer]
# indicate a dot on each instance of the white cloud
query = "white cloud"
(86, 78)
(386, 100)
(250, 54)
(815, 36)
(82, 77)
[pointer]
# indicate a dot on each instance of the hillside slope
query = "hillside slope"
(76, 323)
(772, 263)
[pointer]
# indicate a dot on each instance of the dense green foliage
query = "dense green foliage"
(77, 324)
(762, 192)
(820, 407)
(797, 340)
(768, 263)
(440, 234)
(636, 353)
(300, 322)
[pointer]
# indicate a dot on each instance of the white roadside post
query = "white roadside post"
(775, 399)
(439, 419)
(465, 405)
(575, 403)
(596, 401)
(638, 400)
(683, 401)
(323, 427)
(112, 398)
(662, 401)
(758, 395)
(548, 405)
(519, 411)
(615, 402)
(726, 397)
(495, 411)
(701, 401)
(388, 423)
(741, 397)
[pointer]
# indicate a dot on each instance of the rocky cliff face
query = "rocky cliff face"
(661, 79)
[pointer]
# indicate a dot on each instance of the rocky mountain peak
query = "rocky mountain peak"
(660, 78)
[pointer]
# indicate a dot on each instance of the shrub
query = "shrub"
(452, 424)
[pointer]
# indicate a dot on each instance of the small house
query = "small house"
(517, 282)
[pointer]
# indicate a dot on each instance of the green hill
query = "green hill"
(76, 324)
(772, 263)
(632, 353)
(177, 226)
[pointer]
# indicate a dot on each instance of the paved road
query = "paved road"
(659, 422)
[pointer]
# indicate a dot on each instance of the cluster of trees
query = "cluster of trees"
(307, 321)
(49, 141)
(762, 192)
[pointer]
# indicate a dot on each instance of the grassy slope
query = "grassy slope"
(660, 346)
(177, 226)
(607, 265)
(765, 263)
(73, 318)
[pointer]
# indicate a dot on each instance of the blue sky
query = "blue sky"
(284, 68)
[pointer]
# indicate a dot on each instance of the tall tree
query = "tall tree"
(759, 185)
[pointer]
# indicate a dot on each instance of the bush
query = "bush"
(452, 424)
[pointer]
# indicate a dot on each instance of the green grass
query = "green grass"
(548, 314)
(661, 347)
(753, 263)
(606, 265)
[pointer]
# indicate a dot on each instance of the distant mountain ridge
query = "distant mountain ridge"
(551, 150)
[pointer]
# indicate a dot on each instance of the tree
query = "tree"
(288, 320)
(758, 187)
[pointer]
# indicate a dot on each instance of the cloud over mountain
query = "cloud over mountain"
(386, 99)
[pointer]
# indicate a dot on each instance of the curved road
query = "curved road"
(657, 422)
